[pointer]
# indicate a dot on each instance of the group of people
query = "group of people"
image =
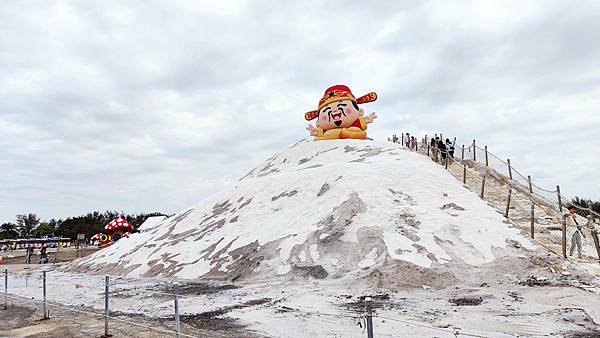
(408, 141)
(43, 255)
(440, 150)
(570, 220)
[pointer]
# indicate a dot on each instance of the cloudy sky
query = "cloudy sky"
(147, 106)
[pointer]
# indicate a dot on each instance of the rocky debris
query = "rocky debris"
(466, 301)
(315, 271)
(535, 281)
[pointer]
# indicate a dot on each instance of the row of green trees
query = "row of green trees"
(30, 225)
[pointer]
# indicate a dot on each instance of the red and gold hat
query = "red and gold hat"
(338, 93)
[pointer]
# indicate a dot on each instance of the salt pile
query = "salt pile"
(325, 209)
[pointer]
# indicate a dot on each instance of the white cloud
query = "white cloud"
(166, 103)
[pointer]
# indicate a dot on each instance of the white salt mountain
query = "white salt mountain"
(326, 209)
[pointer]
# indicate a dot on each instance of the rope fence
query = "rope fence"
(362, 315)
(534, 209)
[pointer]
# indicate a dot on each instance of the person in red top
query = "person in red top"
(338, 115)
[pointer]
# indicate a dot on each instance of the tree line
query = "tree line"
(30, 225)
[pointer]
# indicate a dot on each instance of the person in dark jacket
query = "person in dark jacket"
(443, 151)
(450, 149)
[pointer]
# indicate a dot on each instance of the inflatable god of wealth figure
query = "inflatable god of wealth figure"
(338, 115)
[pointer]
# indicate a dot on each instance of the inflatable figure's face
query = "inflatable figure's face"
(338, 114)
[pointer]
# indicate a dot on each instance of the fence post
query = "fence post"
(564, 240)
(106, 281)
(403, 140)
(474, 152)
(482, 186)
(508, 203)
(487, 162)
(530, 184)
(177, 324)
(44, 285)
(595, 237)
(559, 198)
(462, 157)
(369, 317)
(5, 288)
(464, 174)
(509, 168)
(532, 221)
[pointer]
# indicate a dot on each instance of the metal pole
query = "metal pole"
(403, 140)
(462, 157)
(532, 221)
(369, 318)
(530, 184)
(44, 284)
(474, 152)
(487, 162)
(106, 281)
(464, 173)
(482, 186)
(509, 168)
(559, 199)
(508, 203)
(177, 325)
(5, 288)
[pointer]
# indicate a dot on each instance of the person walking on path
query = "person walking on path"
(450, 150)
(29, 254)
(571, 221)
(434, 155)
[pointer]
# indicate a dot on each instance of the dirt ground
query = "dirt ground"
(25, 320)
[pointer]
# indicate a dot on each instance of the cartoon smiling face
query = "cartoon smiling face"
(338, 114)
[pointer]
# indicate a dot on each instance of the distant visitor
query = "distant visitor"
(338, 115)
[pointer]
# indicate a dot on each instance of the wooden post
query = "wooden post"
(559, 199)
(464, 174)
(532, 221)
(428, 146)
(402, 139)
(564, 240)
(487, 163)
(508, 203)
(482, 186)
(474, 156)
(426, 143)
(530, 184)
(596, 243)
(509, 168)
(462, 157)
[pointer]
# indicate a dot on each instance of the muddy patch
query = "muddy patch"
(314, 271)
(284, 194)
(452, 206)
(324, 188)
(214, 320)
(466, 301)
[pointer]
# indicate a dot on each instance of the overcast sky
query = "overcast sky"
(141, 106)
